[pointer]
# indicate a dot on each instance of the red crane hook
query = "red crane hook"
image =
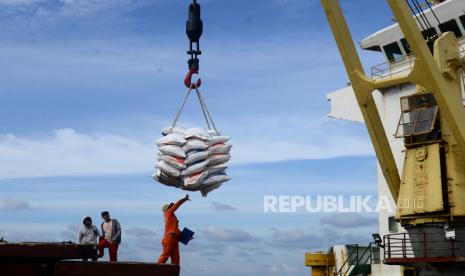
(188, 79)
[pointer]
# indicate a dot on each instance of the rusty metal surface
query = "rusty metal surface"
(26, 269)
(47, 259)
(57, 251)
(114, 269)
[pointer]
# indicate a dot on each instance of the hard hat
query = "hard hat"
(165, 207)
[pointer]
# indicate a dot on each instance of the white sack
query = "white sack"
(168, 169)
(198, 133)
(169, 130)
(216, 159)
(215, 179)
(171, 150)
(220, 149)
(167, 180)
(220, 168)
(195, 168)
(194, 157)
(194, 144)
(172, 139)
(194, 181)
(175, 162)
(215, 139)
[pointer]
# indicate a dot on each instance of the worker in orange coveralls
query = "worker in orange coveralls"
(172, 234)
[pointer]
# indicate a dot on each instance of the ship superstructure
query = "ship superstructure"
(412, 106)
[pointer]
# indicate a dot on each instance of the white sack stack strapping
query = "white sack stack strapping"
(194, 159)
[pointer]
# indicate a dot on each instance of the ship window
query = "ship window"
(406, 46)
(416, 121)
(450, 26)
(429, 34)
(393, 226)
(462, 20)
(392, 51)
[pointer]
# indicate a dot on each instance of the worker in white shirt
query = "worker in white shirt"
(111, 236)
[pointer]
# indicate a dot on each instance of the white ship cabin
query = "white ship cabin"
(436, 18)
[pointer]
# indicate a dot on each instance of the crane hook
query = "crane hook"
(188, 79)
(194, 29)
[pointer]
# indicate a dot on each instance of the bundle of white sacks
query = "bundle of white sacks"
(192, 159)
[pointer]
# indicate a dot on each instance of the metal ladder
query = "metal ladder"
(361, 263)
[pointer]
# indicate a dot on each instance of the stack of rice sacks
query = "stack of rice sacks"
(192, 159)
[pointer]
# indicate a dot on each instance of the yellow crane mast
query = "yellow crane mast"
(430, 191)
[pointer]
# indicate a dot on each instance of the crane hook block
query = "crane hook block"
(194, 24)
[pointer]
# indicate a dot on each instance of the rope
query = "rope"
(206, 114)
(206, 109)
(203, 108)
(182, 108)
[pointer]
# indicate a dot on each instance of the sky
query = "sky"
(87, 85)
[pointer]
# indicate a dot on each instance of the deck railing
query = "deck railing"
(401, 66)
(421, 245)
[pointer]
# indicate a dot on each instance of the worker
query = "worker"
(172, 234)
(111, 236)
(88, 234)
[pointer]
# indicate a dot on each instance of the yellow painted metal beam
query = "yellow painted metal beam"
(438, 76)
(363, 89)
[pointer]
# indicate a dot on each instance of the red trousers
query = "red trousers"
(112, 249)
(170, 250)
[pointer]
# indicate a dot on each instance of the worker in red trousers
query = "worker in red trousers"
(172, 234)
(111, 238)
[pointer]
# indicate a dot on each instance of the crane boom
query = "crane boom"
(363, 89)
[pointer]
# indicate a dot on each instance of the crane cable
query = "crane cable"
(422, 14)
(416, 17)
(431, 9)
(417, 9)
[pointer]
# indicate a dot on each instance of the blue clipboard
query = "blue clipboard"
(186, 236)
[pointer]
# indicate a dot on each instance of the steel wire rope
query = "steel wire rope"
(416, 17)
(431, 9)
(421, 14)
(206, 109)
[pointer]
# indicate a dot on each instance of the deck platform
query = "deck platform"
(65, 259)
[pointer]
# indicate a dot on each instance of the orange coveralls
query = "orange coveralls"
(171, 237)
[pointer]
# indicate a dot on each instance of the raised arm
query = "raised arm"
(177, 204)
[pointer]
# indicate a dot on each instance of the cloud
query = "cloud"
(282, 268)
(14, 204)
(140, 232)
(279, 138)
(52, 10)
(296, 238)
(12, 235)
(67, 152)
(71, 232)
(220, 207)
(227, 235)
(349, 220)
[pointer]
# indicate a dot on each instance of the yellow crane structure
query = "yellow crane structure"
(430, 191)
